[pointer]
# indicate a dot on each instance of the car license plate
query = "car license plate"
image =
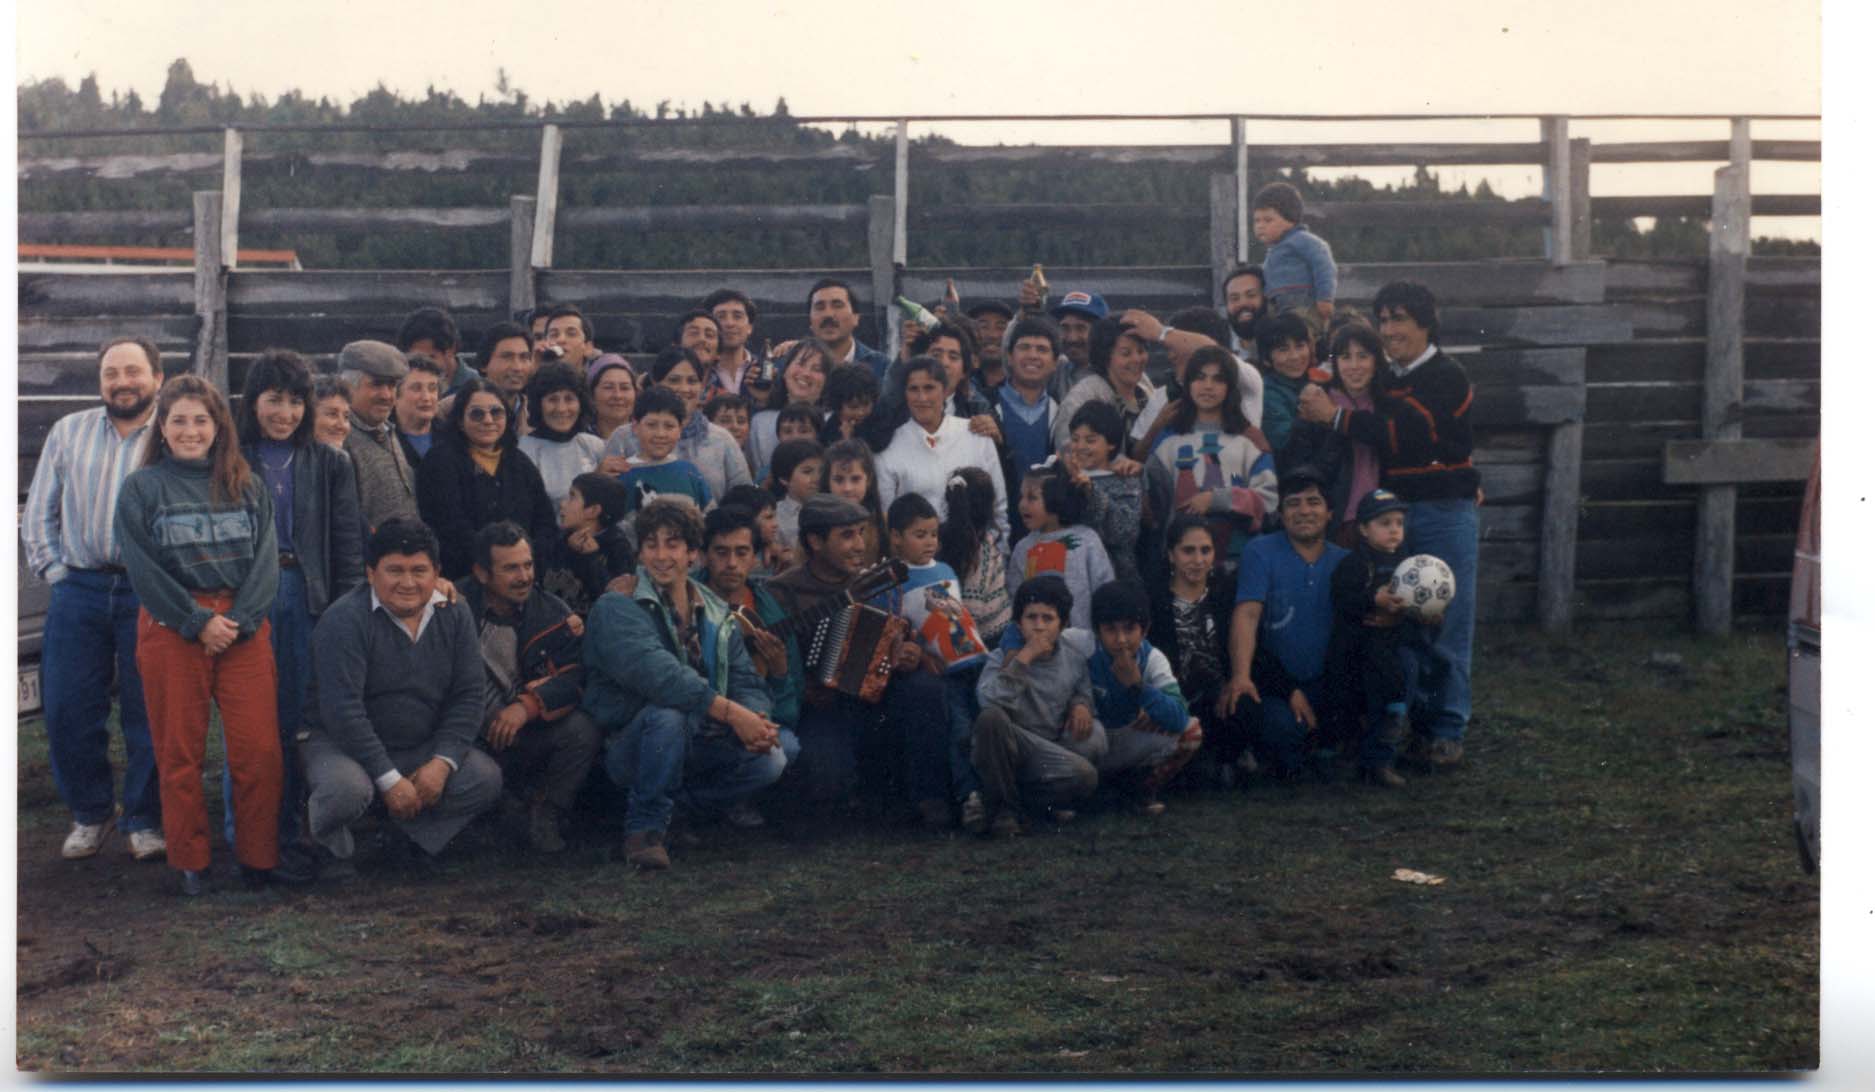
(29, 691)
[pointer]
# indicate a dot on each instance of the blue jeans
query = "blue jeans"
(1438, 658)
(91, 630)
(292, 657)
(662, 755)
(960, 702)
(907, 736)
(1280, 736)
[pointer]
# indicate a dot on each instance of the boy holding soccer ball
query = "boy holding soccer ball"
(1366, 682)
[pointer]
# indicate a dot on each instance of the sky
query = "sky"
(995, 57)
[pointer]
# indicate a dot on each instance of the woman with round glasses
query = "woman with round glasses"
(475, 476)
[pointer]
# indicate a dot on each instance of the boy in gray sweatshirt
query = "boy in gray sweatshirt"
(1037, 734)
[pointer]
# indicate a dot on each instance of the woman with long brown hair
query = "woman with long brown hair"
(197, 529)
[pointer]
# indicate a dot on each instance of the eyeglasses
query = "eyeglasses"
(478, 414)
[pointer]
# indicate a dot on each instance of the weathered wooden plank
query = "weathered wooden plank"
(901, 192)
(401, 218)
(1097, 216)
(1629, 278)
(327, 333)
(1557, 245)
(1731, 461)
(1626, 207)
(546, 197)
(1142, 286)
(1614, 440)
(231, 197)
(1681, 402)
(1580, 324)
(104, 225)
(1705, 151)
(210, 357)
(1581, 212)
(1561, 514)
(1667, 520)
(1525, 367)
(1672, 557)
(1509, 407)
(1507, 604)
(1506, 281)
(1508, 522)
(1507, 562)
(318, 292)
(33, 168)
(169, 332)
(1512, 445)
(1683, 360)
(1262, 157)
(521, 295)
(679, 289)
(881, 232)
(1762, 598)
(1721, 410)
(1526, 211)
(1223, 230)
(710, 217)
(105, 293)
(1512, 483)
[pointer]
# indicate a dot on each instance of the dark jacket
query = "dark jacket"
(635, 660)
(1220, 601)
(551, 677)
(580, 579)
(328, 529)
(1421, 430)
(456, 499)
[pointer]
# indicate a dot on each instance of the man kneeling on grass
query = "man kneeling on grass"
(396, 705)
(668, 676)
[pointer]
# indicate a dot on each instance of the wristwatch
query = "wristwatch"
(1164, 330)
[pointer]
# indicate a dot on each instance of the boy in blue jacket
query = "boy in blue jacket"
(1150, 732)
(669, 679)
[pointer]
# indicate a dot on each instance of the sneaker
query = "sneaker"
(743, 816)
(1152, 809)
(935, 814)
(1246, 763)
(1446, 753)
(974, 817)
(147, 845)
(543, 828)
(645, 851)
(86, 838)
(1007, 824)
(1385, 777)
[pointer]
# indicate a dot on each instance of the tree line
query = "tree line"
(52, 105)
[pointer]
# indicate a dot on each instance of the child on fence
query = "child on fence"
(932, 602)
(1367, 688)
(1299, 268)
(976, 551)
(1115, 503)
(794, 477)
(1051, 507)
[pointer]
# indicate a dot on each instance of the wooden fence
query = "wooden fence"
(1587, 371)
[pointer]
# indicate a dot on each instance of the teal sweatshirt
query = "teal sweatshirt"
(178, 539)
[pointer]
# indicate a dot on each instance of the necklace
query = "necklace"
(276, 475)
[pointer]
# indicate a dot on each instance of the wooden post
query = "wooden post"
(520, 252)
(1223, 230)
(1722, 412)
(1582, 225)
(1556, 189)
(882, 225)
(210, 360)
(1562, 498)
(901, 194)
(546, 198)
(1240, 159)
(231, 197)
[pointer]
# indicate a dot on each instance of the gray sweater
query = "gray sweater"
(389, 702)
(387, 486)
(1037, 696)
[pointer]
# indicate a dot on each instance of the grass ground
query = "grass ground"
(1622, 894)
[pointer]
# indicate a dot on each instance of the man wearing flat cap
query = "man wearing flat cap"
(387, 485)
(835, 729)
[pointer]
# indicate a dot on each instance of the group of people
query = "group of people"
(979, 580)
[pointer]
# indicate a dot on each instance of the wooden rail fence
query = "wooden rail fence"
(1639, 423)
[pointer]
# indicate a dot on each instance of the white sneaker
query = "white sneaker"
(85, 839)
(148, 845)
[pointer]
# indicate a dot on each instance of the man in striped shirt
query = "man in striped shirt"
(91, 625)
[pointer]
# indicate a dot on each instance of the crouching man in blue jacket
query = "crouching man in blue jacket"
(669, 680)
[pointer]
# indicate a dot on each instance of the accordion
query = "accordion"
(851, 652)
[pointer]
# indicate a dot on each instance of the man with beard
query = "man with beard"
(833, 315)
(992, 319)
(1190, 330)
(1074, 318)
(91, 624)
(1280, 629)
(1244, 305)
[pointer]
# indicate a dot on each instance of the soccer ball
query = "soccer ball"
(1426, 584)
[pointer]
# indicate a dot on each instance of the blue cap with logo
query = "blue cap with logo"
(1377, 504)
(1088, 304)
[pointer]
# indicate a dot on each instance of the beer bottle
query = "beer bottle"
(1040, 284)
(917, 312)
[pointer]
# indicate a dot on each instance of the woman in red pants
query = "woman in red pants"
(198, 539)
